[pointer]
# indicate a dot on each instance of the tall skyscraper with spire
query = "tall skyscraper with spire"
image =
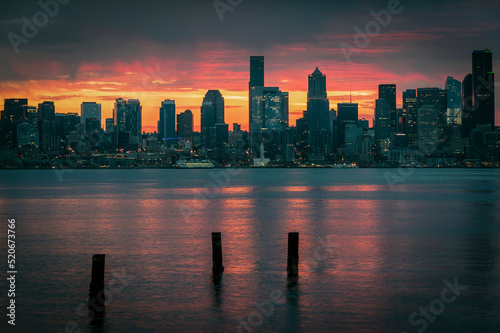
(318, 115)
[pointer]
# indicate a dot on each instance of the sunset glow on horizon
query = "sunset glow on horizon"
(103, 61)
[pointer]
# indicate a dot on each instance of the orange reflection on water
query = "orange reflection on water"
(236, 189)
(294, 188)
(236, 218)
(340, 188)
(354, 188)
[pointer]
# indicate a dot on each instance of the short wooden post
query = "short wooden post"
(217, 266)
(96, 293)
(292, 267)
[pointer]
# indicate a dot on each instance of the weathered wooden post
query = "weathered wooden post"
(217, 267)
(96, 293)
(292, 267)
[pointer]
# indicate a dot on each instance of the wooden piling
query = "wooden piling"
(96, 292)
(217, 266)
(292, 267)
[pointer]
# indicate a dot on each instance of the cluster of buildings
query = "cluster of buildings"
(434, 127)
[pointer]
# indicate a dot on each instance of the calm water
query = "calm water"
(371, 254)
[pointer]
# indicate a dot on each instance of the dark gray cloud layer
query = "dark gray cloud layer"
(104, 31)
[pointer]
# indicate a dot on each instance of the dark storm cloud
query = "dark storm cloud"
(444, 32)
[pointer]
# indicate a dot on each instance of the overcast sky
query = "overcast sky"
(155, 50)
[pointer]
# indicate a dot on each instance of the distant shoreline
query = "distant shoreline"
(251, 167)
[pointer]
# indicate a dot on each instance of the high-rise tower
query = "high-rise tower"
(318, 117)
(388, 93)
(256, 80)
(483, 87)
(166, 124)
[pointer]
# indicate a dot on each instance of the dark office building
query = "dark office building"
(14, 113)
(215, 97)
(185, 125)
(127, 117)
(92, 126)
(411, 110)
(236, 128)
(47, 126)
(347, 113)
(467, 106)
(387, 92)
(256, 80)
(438, 98)
(212, 113)
(483, 88)
(166, 124)
(65, 124)
(221, 134)
(383, 124)
(318, 116)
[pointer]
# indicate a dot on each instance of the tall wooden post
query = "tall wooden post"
(96, 293)
(217, 266)
(292, 267)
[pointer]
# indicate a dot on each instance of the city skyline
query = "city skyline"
(183, 65)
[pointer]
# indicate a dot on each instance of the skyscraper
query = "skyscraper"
(411, 110)
(14, 113)
(383, 123)
(127, 117)
(166, 124)
(284, 109)
(467, 106)
(268, 108)
(110, 125)
(90, 110)
(388, 93)
(347, 113)
(256, 80)
(208, 134)
(134, 110)
(120, 123)
(454, 101)
(185, 125)
(483, 88)
(428, 119)
(212, 114)
(437, 98)
(256, 71)
(47, 126)
(318, 116)
(215, 97)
